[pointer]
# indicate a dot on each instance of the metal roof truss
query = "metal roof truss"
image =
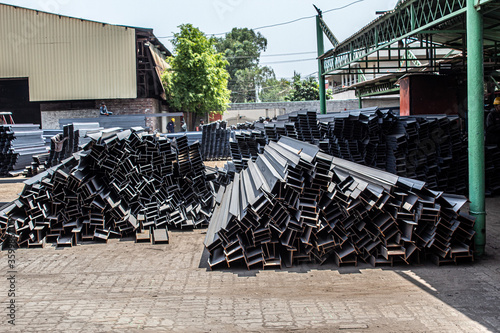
(412, 25)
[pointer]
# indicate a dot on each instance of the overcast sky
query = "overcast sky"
(219, 16)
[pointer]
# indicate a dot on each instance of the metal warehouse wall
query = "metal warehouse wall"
(66, 58)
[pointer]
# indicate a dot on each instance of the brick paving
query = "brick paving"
(126, 287)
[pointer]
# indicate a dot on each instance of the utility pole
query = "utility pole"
(321, 50)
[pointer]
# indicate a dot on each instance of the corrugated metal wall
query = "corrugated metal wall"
(66, 58)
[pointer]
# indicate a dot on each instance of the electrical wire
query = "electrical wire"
(287, 61)
(282, 23)
(271, 55)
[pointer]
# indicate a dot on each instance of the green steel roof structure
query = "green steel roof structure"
(413, 25)
(470, 26)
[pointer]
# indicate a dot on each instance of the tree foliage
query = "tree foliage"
(197, 79)
(305, 90)
(274, 90)
(242, 48)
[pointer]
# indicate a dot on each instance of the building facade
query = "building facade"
(53, 65)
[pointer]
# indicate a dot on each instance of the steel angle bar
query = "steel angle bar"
(117, 187)
(250, 189)
(357, 214)
(269, 175)
(290, 157)
(305, 150)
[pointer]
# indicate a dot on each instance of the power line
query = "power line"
(271, 55)
(282, 23)
(339, 8)
(287, 61)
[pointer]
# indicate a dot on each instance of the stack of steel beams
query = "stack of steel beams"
(245, 146)
(420, 147)
(124, 183)
(75, 137)
(39, 164)
(18, 143)
(191, 136)
(215, 141)
(296, 204)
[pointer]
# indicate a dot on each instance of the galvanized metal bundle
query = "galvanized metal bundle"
(296, 204)
(18, 143)
(123, 183)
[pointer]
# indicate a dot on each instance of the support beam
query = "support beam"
(475, 75)
(321, 77)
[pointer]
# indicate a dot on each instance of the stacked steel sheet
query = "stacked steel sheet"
(18, 143)
(215, 141)
(296, 204)
(123, 183)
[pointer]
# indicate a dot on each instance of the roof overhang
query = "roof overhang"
(434, 23)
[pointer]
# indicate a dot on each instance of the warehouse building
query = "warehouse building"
(54, 67)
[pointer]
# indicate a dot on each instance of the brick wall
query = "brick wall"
(136, 106)
(53, 111)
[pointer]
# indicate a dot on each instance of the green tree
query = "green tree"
(248, 81)
(197, 80)
(274, 90)
(305, 90)
(242, 48)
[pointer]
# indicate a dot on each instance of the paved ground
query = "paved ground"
(127, 287)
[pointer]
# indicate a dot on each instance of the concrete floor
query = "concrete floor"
(126, 287)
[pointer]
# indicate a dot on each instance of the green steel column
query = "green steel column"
(360, 102)
(475, 77)
(321, 78)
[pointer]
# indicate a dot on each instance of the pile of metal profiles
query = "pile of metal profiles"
(429, 148)
(192, 136)
(221, 176)
(420, 147)
(75, 137)
(295, 204)
(245, 146)
(124, 183)
(306, 125)
(39, 164)
(80, 131)
(215, 141)
(122, 121)
(49, 133)
(18, 143)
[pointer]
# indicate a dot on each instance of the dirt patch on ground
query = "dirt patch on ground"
(213, 164)
(10, 187)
